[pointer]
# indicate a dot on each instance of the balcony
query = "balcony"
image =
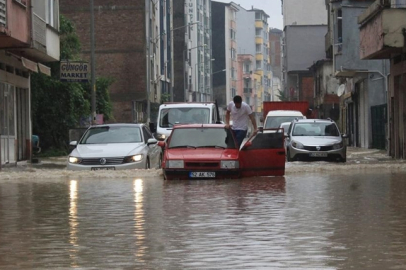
(259, 24)
(381, 32)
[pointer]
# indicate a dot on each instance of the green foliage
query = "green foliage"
(165, 98)
(282, 96)
(58, 106)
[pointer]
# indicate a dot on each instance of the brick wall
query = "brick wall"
(307, 90)
(119, 47)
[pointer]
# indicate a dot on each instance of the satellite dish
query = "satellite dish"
(340, 90)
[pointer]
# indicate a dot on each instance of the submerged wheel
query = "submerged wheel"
(147, 165)
(288, 158)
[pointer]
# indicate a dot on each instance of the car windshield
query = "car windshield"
(172, 116)
(315, 129)
(276, 121)
(202, 137)
(112, 134)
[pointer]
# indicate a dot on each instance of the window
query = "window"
(233, 53)
(233, 73)
(147, 134)
(232, 34)
(258, 16)
(258, 32)
(258, 64)
(246, 68)
(3, 12)
(340, 26)
(233, 92)
(53, 13)
(248, 100)
(258, 48)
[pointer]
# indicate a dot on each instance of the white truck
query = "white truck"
(170, 114)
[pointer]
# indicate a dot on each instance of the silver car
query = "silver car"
(115, 147)
(315, 139)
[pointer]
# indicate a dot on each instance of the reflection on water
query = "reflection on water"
(73, 221)
(311, 221)
(139, 220)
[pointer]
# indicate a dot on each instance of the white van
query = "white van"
(171, 114)
(275, 118)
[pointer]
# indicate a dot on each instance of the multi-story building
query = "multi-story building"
(224, 45)
(127, 48)
(363, 81)
(383, 36)
(253, 38)
(275, 60)
(28, 37)
(192, 50)
(305, 25)
(246, 85)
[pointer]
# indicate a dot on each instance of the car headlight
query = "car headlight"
(297, 145)
(160, 136)
(338, 145)
(134, 158)
(74, 160)
(229, 164)
(175, 164)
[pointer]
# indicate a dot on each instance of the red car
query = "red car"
(209, 151)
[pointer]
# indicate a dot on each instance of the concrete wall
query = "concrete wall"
(246, 32)
(299, 12)
(304, 45)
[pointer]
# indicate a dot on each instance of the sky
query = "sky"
(271, 7)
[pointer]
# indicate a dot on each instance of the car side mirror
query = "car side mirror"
(151, 141)
(161, 143)
(261, 119)
(261, 129)
(345, 136)
(152, 127)
(73, 143)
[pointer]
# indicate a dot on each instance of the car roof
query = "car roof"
(187, 105)
(198, 126)
(314, 121)
(284, 113)
(119, 125)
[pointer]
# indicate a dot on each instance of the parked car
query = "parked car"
(115, 147)
(315, 139)
(209, 151)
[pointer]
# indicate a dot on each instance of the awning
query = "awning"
(30, 65)
(44, 69)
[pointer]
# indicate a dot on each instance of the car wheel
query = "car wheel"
(343, 159)
(147, 165)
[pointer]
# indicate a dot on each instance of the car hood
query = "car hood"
(105, 150)
(202, 153)
(317, 140)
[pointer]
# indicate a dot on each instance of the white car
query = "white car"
(115, 147)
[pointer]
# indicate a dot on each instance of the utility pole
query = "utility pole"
(93, 75)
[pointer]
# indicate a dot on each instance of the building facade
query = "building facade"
(253, 38)
(126, 51)
(224, 45)
(28, 37)
(383, 36)
(305, 25)
(363, 80)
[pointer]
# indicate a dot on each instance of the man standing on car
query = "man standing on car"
(240, 113)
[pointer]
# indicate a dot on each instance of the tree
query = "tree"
(58, 106)
(282, 96)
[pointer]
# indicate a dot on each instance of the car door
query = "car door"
(263, 154)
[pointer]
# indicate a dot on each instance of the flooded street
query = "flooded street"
(319, 216)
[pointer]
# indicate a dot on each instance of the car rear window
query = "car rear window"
(276, 121)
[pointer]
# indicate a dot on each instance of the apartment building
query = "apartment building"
(253, 38)
(305, 26)
(224, 45)
(192, 50)
(383, 36)
(28, 38)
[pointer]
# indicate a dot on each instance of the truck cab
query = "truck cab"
(171, 114)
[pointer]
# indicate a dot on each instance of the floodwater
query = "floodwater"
(318, 216)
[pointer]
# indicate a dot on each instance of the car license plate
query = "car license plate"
(318, 154)
(202, 174)
(103, 168)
